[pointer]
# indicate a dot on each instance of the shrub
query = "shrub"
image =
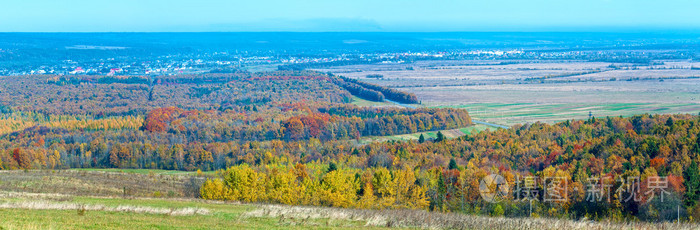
(497, 211)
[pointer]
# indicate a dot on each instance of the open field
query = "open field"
(451, 133)
(147, 171)
(472, 72)
(58, 212)
(517, 113)
(510, 104)
(46, 211)
(102, 182)
(511, 92)
(362, 102)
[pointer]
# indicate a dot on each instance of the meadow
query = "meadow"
(449, 133)
(24, 211)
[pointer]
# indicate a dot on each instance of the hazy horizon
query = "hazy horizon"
(355, 16)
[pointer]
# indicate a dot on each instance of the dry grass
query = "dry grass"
(96, 183)
(52, 201)
(42, 211)
(81, 208)
(432, 220)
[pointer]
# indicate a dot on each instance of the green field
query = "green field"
(219, 216)
(450, 133)
(499, 94)
(362, 102)
(517, 113)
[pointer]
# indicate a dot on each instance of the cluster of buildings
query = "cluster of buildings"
(226, 62)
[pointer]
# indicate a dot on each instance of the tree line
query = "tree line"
(391, 94)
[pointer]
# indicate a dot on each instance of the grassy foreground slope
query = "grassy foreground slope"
(54, 211)
(144, 214)
(57, 207)
(128, 199)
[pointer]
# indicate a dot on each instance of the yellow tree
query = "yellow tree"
(215, 190)
(54, 159)
(417, 198)
(281, 186)
(368, 199)
(245, 183)
(338, 189)
(386, 188)
(404, 187)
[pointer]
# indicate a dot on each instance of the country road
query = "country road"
(491, 124)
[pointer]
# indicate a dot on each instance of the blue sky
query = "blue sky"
(347, 15)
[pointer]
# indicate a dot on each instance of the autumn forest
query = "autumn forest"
(294, 137)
